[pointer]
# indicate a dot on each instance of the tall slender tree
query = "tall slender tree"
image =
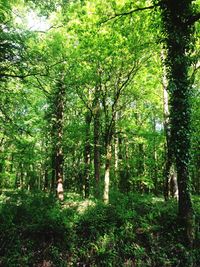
(177, 19)
(57, 131)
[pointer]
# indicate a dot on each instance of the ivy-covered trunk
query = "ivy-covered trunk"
(169, 172)
(57, 134)
(177, 30)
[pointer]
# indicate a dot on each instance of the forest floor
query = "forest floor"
(133, 230)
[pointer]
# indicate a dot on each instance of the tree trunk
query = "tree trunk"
(97, 151)
(155, 168)
(21, 176)
(39, 182)
(109, 128)
(175, 15)
(46, 178)
(97, 147)
(169, 168)
(197, 176)
(87, 152)
(127, 184)
(57, 135)
(53, 176)
(196, 168)
(140, 167)
(122, 166)
(173, 184)
(107, 174)
(116, 150)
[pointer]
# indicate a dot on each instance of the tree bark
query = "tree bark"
(169, 173)
(109, 127)
(87, 153)
(46, 178)
(154, 157)
(57, 133)
(53, 176)
(107, 174)
(178, 43)
(116, 149)
(97, 144)
(21, 175)
(140, 167)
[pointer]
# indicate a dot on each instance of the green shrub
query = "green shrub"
(133, 230)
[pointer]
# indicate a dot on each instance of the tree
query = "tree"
(178, 29)
(110, 99)
(170, 177)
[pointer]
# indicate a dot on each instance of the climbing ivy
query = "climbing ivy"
(177, 31)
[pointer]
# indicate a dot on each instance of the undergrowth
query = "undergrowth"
(133, 230)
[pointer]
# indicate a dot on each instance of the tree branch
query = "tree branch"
(45, 31)
(42, 87)
(84, 100)
(129, 12)
(192, 19)
(7, 75)
(196, 68)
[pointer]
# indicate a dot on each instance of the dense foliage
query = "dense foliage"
(99, 99)
(133, 230)
(107, 78)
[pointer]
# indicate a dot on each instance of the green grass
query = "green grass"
(133, 230)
